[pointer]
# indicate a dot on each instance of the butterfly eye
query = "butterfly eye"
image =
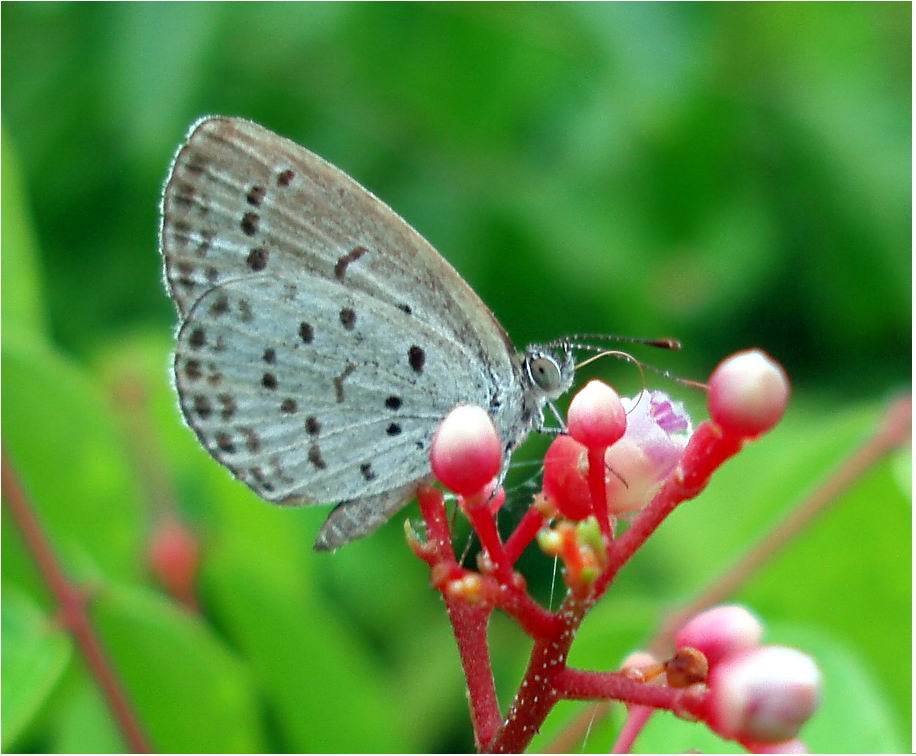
(545, 373)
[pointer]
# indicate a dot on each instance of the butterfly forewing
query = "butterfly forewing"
(241, 200)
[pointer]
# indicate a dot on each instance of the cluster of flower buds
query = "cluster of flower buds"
(639, 440)
(581, 549)
(614, 459)
(758, 695)
(618, 457)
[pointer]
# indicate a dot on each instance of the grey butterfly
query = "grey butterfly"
(321, 339)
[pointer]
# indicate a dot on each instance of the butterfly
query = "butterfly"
(321, 339)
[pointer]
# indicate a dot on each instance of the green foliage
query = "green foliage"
(36, 651)
(194, 693)
(732, 175)
(23, 305)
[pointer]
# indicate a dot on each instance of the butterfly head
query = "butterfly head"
(550, 370)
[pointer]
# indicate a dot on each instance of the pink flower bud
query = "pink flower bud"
(657, 432)
(466, 453)
(721, 632)
(638, 660)
(566, 478)
(763, 695)
(789, 746)
(495, 497)
(596, 417)
(748, 393)
(174, 558)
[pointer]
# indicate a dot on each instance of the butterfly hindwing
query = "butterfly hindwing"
(285, 385)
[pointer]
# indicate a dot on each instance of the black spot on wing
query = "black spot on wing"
(417, 358)
(249, 223)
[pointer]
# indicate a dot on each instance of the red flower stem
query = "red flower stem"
(538, 694)
(432, 507)
(469, 623)
(547, 678)
(535, 697)
(484, 525)
(531, 616)
(525, 532)
(582, 685)
(597, 486)
(71, 607)
(636, 720)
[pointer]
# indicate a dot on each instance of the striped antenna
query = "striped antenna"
(600, 353)
(673, 345)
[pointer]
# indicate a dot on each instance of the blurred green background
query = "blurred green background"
(732, 175)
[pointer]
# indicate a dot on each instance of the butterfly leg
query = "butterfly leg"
(504, 470)
(559, 418)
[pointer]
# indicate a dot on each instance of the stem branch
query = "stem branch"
(72, 608)
(469, 624)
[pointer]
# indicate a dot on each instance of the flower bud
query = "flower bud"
(748, 393)
(466, 452)
(468, 589)
(720, 632)
(596, 417)
(566, 478)
(763, 695)
(636, 662)
(174, 558)
(789, 746)
(687, 667)
(657, 432)
(495, 497)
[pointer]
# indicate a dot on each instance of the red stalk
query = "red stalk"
(469, 623)
(482, 521)
(600, 686)
(597, 486)
(636, 720)
(524, 533)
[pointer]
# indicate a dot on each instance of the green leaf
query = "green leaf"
(704, 536)
(323, 689)
(83, 721)
(23, 300)
(36, 651)
(190, 693)
(846, 589)
(59, 436)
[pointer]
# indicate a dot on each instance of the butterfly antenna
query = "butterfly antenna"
(600, 353)
(672, 345)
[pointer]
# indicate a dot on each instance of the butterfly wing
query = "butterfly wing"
(287, 386)
(322, 338)
(241, 200)
(358, 517)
